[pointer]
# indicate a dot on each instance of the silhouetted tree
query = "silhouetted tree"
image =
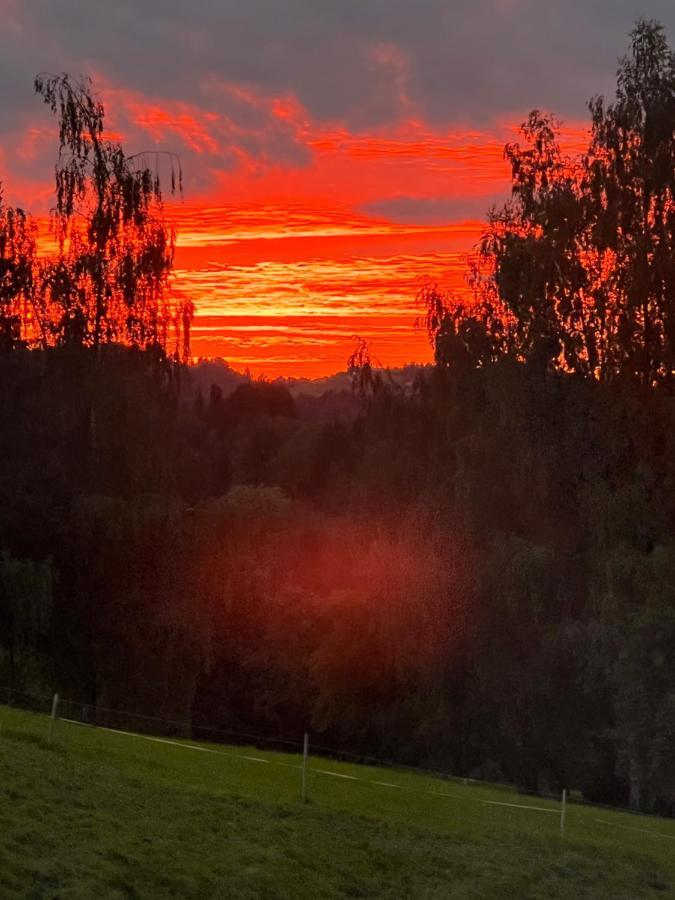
(21, 316)
(109, 282)
(576, 271)
(361, 367)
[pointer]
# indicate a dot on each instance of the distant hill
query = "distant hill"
(326, 399)
(207, 372)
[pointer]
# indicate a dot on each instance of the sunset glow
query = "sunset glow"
(311, 233)
(282, 282)
(283, 291)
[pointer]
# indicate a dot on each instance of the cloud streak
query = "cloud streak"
(334, 152)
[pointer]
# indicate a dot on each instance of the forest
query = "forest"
(470, 569)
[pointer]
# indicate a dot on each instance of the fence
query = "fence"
(184, 735)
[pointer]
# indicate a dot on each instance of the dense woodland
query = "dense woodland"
(470, 568)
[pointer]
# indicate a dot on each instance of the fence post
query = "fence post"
(305, 759)
(562, 811)
(54, 716)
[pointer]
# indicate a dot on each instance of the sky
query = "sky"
(335, 152)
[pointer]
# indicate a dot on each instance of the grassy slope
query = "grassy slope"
(108, 815)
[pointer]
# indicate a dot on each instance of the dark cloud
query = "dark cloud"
(464, 59)
(433, 210)
(365, 63)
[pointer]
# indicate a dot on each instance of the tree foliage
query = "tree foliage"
(25, 605)
(576, 271)
(109, 280)
(20, 319)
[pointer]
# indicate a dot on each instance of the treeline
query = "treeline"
(475, 576)
(472, 573)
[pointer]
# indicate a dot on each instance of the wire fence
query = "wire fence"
(144, 724)
(185, 735)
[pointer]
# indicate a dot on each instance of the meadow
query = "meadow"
(112, 814)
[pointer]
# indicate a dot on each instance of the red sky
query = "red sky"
(288, 256)
(286, 263)
(333, 158)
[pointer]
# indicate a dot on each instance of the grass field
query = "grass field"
(100, 814)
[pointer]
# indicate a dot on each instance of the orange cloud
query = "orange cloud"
(280, 246)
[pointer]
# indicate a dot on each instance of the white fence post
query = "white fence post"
(562, 811)
(54, 716)
(305, 759)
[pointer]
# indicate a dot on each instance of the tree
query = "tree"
(629, 189)
(459, 334)
(576, 272)
(20, 317)
(361, 367)
(110, 280)
(25, 604)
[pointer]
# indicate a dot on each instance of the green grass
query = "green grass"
(100, 814)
